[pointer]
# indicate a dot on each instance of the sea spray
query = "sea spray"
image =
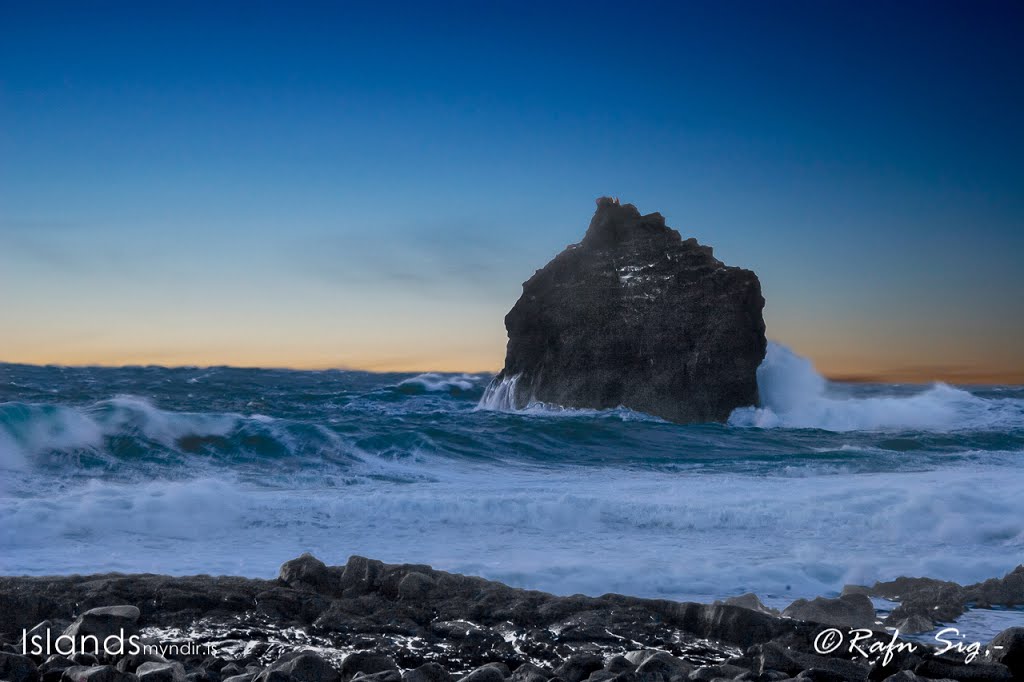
(795, 396)
(223, 470)
(500, 394)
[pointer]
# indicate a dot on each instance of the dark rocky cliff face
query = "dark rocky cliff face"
(636, 316)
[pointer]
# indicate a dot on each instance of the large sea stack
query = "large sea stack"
(635, 316)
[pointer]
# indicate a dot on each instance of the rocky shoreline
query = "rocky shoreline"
(411, 623)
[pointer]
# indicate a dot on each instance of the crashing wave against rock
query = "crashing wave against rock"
(635, 316)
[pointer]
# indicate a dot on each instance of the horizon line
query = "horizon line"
(895, 376)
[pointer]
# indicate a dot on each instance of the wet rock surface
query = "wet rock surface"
(849, 610)
(376, 622)
(925, 603)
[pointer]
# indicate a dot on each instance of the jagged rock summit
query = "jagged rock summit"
(635, 316)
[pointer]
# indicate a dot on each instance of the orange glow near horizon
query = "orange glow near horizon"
(406, 331)
(481, 358)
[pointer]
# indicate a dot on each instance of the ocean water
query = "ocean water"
(233, 471)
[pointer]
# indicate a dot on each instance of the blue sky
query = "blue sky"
(332, 184)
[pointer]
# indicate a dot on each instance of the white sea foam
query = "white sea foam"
(12, 457)
(500, 395)
(433, 381)
(557, 499)
(589, 530)
(130, 414)
(29, 430)
(794, 395)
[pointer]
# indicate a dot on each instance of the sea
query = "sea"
(224, 470)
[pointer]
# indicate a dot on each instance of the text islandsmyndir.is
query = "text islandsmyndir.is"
(120, 644)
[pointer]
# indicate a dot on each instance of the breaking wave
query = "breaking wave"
(500, 394)
(795, 396)
(232, 470)
(432, 382)
(133, 430)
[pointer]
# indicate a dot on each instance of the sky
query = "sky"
(367, 185)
